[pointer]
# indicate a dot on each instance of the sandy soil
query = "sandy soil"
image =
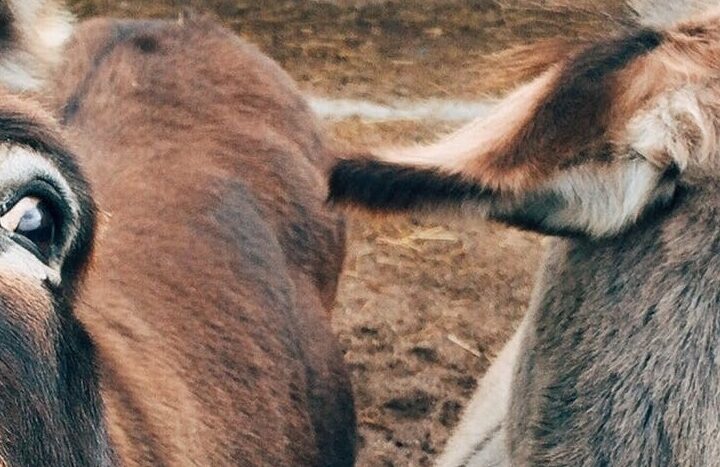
(382, 49)
(424, 306)
(423, 309)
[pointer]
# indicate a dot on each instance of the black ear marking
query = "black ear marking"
(386, 187)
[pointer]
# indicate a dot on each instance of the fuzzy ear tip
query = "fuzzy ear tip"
(334, 184)
(342, 180)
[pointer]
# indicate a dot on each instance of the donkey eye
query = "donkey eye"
(32, 222)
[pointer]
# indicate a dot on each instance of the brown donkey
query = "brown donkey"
(193, 328)
(616, 151)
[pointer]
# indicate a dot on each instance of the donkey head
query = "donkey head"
(587, 148)
(49, 399)
(50, 408)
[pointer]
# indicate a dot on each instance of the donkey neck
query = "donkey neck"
(620, 360)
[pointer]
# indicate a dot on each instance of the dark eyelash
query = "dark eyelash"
(37, 188)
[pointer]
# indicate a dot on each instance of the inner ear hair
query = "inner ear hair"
(595, 199)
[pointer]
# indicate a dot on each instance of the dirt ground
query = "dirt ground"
(424, 306)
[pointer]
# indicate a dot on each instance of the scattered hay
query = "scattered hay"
(370, 49)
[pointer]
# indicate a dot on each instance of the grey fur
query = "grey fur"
(621, 358)
(619, 361)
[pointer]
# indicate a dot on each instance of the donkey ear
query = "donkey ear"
(594, 199)
(543, 160)
(32, 34)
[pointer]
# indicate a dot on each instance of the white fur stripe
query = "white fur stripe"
(486, 412)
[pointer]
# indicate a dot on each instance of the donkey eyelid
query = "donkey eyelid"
(32, 195)
(39, 188)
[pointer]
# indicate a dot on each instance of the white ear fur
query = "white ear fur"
(41, 29)
(593, 199)
(678, 128)
(602, 201)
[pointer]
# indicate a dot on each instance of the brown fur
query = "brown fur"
(566, 122)
(217, 262)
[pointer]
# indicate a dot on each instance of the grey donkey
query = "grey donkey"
(615, 152)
